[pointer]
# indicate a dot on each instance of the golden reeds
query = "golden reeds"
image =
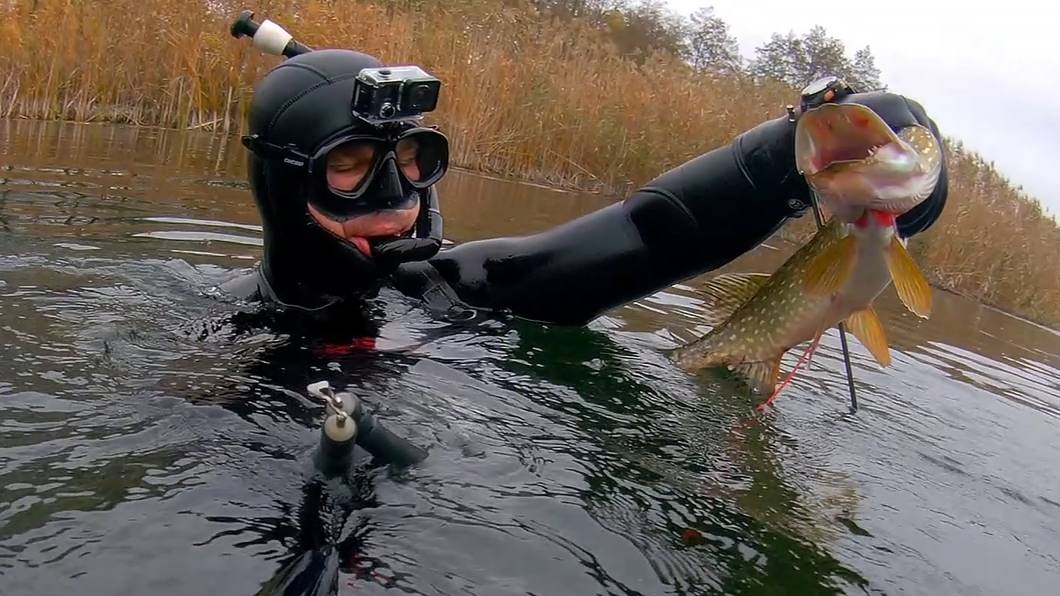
(993, 242)
(523, 96)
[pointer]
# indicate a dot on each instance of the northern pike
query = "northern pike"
(838, 275)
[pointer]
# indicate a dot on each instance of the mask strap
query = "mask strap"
(289, 154)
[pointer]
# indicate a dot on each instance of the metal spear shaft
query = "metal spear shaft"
(823, 90)
(842, 328)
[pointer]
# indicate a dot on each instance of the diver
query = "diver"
(344, 180)
(348, 204)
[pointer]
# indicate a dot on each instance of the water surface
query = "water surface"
(154, 436)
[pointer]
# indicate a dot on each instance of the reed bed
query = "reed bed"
(523, 96)
(993, 242)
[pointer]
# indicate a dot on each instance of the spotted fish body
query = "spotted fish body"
(760, 317)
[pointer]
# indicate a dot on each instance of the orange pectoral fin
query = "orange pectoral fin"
(866, 326)
(909, 282)
(828, 271)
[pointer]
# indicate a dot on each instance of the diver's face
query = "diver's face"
(349, 164)
(374, 225)
(347, 167)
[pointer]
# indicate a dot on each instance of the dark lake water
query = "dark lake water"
(154, 435)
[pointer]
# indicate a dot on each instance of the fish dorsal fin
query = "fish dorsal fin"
(723, 294)
(866, 326)
(909, 282)
(830, 269)
(761, 376)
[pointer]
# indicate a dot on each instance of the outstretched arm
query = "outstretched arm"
(691, 219)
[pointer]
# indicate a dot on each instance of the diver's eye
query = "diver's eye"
(346, 176)
(407, 153)
(349, 164)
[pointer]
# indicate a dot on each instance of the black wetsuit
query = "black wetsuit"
(691, 219)
(694, 218)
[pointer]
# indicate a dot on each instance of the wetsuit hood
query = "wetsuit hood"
(299, 106)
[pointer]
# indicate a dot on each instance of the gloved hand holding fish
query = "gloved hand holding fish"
(865, 175)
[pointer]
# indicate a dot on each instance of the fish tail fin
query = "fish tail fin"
(791, 375)
(909, 282)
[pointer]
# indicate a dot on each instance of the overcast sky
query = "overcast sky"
(990, 77)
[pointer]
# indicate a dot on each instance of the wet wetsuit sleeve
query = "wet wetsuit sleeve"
(691, 219)
(694, 218)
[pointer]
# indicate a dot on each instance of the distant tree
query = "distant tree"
(824, 55)
(782, 58)
(648, 26)
(710, 45)
(865, 76)
(797, 60)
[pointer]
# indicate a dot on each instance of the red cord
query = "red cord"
(791, 375)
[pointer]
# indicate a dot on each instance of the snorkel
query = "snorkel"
(267, 36)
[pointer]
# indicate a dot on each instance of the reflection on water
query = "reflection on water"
(153, 436)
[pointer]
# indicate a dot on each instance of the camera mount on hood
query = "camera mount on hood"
(380, 95)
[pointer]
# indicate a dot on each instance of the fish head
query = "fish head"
(854, 161)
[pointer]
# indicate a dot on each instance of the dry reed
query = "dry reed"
(523, 97)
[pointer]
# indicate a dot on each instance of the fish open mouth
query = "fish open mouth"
(841, 153)
(839, 133)
(362, 230)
